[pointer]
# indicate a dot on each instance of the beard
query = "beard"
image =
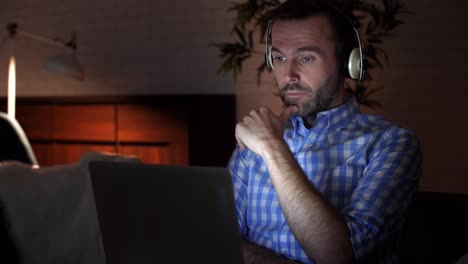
(316, 101)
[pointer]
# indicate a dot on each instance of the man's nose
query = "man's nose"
(292, 73)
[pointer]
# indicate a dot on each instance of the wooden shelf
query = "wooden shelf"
(62, 133)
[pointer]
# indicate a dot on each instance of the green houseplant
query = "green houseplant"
(377, 20)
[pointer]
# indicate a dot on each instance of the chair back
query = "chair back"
(14, 145)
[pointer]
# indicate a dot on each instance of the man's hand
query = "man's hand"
(261, 128)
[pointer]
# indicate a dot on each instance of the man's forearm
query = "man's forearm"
(318, 227)
(254, 254)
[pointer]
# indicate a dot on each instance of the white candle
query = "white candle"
(11, 88)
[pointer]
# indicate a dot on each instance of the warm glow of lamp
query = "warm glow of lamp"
(11, 88)
(66, 65)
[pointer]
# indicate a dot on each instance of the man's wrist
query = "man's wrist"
(274, 149)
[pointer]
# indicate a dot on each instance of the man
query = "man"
(321, 183)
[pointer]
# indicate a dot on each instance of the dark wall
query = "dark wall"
(212, 121)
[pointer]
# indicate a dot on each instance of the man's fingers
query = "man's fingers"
(287, 113)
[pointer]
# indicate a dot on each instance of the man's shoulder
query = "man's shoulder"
(384, 131)
(376, 122)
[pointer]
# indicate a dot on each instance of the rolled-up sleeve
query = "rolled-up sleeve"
(379, 205)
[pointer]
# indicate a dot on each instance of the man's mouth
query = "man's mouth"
(295, 94)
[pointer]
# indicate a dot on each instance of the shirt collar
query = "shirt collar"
(334, 118)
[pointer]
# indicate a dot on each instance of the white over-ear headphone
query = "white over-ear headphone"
(355, 64)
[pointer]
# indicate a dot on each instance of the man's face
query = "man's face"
(305, 65)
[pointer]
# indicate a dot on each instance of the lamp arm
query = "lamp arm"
(64, 64)
(13, 31)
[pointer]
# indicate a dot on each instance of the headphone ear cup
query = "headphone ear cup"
(354, 64)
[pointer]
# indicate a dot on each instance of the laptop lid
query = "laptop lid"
(157, 213)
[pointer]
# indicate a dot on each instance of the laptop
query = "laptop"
(165, 214)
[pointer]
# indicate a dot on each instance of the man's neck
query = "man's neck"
(309, 120)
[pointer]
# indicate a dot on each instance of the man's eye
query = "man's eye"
(279, 58)
(306, 59)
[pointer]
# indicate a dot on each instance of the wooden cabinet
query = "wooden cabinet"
(62, 133)
(66, 152)
(167, 129)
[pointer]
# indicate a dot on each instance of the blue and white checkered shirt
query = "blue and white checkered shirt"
(365, 166)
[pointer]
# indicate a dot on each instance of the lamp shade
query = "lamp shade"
(65, 64)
